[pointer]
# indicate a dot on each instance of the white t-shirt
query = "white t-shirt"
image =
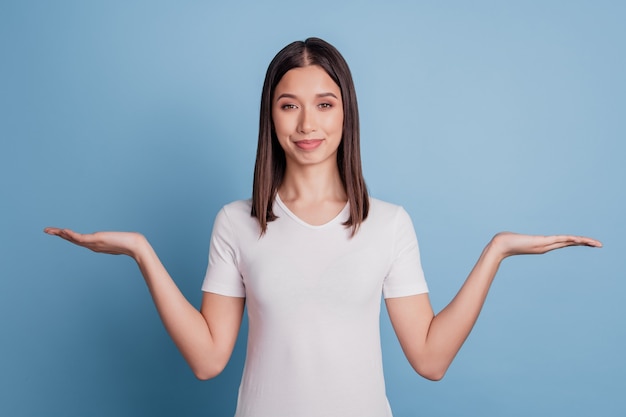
(313, 295)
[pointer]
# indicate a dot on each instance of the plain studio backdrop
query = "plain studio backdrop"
(476, 117)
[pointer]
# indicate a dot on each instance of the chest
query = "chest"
(322, 269)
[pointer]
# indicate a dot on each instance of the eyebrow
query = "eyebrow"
(321, 95)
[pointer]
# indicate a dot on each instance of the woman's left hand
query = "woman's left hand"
(509, 244)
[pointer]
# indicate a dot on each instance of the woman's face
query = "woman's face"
(308, 116)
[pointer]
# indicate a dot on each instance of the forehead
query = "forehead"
(309, 80)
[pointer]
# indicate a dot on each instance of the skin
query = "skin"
(308, 107)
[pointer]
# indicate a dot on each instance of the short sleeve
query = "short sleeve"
(405, 276)
(222, 275)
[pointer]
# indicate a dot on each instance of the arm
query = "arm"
(430, 342)
(205, 338)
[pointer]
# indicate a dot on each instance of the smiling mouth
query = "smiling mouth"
(308, 144)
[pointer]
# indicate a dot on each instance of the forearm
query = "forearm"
(450, 328)
(184, 323)
(430, 342)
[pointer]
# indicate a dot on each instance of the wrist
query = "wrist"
(140, 247)
(495, 249)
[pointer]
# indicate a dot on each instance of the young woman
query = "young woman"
(311, 254)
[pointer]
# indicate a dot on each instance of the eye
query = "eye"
(288, 106)
(325, 106)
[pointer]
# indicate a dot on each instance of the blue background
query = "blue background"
(476, 116)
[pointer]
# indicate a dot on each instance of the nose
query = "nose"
(307, 121)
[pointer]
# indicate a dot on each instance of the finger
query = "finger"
(55, 231)
(70, 236)
(65, 233)
(590, 242)
(553, 246)
(78, 238)
(562, 241)
(571, 240)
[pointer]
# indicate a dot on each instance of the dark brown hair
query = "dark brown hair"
(269, 169)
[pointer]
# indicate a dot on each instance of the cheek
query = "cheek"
(277, 126)
(282, 125)
(336, 124)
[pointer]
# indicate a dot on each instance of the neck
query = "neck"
(312, 184)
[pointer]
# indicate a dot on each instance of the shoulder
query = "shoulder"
(238, 208)
(385, 216)
(380, 208)
(236, 218)
(236, 212)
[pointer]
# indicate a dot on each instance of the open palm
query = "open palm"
(511, 244)
(115, 243)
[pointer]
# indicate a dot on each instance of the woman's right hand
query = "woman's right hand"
(115, 243)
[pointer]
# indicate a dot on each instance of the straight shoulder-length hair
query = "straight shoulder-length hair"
(269, 169)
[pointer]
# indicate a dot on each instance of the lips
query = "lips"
(308, 144)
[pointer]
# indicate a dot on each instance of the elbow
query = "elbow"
(206, 372)
(430, 365)
(204, 376)
(433, 375)
(431, 372)
(209, 365)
